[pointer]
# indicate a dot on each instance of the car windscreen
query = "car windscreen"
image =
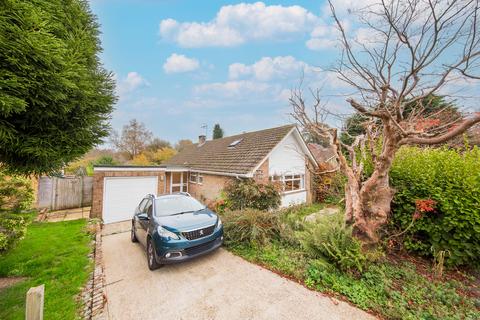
(167, 206)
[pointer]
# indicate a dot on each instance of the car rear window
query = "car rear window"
(166, 206)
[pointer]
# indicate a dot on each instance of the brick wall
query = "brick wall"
(261, 175)
(98, 177)
(210, 189)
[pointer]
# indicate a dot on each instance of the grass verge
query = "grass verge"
(54, 254)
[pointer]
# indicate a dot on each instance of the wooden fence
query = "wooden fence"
(57, 193)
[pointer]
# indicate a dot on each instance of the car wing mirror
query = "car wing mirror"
(143, 216)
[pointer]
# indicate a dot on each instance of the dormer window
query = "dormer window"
(234, 143)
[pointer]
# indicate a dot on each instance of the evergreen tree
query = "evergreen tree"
(217, 132)
(55, 97)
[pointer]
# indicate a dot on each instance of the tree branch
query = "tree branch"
(457, 130)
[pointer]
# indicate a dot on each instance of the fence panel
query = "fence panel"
(45, 192)
(64, 193)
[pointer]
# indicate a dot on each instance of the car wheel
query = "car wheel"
(133, 236)
(151, 259)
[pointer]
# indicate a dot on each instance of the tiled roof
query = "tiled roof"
(320, 153)
(217, 156)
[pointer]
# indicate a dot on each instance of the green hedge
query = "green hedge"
(452, 179)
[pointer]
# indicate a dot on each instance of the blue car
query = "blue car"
(175, 228)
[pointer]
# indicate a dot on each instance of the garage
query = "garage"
(118, 190)
(123, 194)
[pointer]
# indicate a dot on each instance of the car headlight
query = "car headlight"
(164, 233)
(219, 223)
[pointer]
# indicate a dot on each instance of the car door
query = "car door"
(137, 219)
(144, 221)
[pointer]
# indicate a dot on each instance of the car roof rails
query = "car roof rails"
(184, 193)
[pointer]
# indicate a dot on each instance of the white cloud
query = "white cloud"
(177, 63)
(268, 68)
(238, 70)
(130, 83)
(237, 24)
(237, 89)
(326, 36)
(321, 44)
(268, 79)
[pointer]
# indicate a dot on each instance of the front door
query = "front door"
(178, 182)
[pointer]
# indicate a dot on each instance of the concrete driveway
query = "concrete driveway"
(216, 286)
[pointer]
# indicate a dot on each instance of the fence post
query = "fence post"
(34, 305)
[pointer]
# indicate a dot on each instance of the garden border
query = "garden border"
(93, 296)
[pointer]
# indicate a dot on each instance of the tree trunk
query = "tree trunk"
(368, 204)
(371, 208)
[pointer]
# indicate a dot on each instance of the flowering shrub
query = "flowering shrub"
(422, 206)
(441, 188)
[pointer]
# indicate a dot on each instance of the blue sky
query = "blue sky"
(181, 64)
(175, 102)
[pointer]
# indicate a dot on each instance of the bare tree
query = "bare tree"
(420, 47)
(133, 140)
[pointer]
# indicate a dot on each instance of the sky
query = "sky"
(182, 64)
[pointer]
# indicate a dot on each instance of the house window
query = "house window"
(290, 182)
(234, 143)
(196, 177)
(193, 177)
(259, 175)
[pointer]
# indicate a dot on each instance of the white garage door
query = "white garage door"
(121, 195)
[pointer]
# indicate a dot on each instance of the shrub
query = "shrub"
(330, 239)
(450, 180)
(246, 193)
(16, 195)
(250, 227)
(328, 187)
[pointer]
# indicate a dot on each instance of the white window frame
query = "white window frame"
(198, 177)
(193, 174)
(294, 177)
(183, 184)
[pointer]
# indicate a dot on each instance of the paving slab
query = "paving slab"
(116, 227)
(217, 286)
(324, 212)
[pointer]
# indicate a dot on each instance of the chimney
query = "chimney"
(201, 139)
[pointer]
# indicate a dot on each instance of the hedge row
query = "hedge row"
(452, 180)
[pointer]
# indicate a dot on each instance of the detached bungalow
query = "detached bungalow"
(203, 169)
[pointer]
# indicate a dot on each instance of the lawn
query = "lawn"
(393, 286)
(54, 254)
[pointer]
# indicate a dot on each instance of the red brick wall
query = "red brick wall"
(261, 175)
(210, 189)
(97, 200)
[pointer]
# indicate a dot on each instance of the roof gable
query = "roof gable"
(217, 156)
